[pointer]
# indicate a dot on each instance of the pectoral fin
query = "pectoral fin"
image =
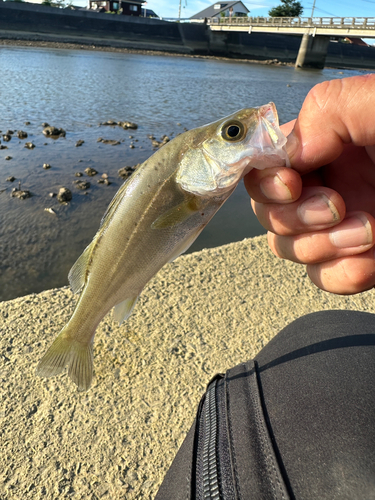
(123, 310)
(178, 214)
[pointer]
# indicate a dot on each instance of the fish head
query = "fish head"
(229, 148)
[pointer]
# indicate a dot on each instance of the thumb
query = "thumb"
(334, 113)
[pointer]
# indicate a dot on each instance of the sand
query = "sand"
(200, 315)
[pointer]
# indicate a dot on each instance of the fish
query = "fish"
(154, 217)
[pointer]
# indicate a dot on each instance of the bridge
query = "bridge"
(359, 27)
(316, 32)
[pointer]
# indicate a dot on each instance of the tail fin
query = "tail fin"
(66, 351)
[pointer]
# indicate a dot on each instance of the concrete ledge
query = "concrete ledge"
(200, 315)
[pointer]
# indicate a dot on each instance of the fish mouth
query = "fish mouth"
(265, 145)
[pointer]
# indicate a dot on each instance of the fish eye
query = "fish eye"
(233, 131)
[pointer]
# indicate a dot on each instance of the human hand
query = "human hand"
(321, 212)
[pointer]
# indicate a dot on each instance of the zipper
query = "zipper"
(210, 473)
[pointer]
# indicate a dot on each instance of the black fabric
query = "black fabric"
(255, 468)
(299, 418)
(317, 378)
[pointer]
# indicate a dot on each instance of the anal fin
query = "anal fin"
(123, 310)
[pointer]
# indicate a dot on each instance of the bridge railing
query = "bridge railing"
(293, 22)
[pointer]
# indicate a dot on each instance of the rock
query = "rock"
(131, 146)
(29, 145)
(52, 195)
(53, 132)
(131, 136)
(79, 143)
(8, 157)
(104, 181)
(125, 172)
(64, 195)
(82, 184)
(21, 134)
(21, 194)
(27, 123)
(3, 147)
(90, 171)
(126, 125)
(11, 179)
(9, 132)
(104, 176)
(110, 122)
(108, 141)
(46, 166)
(78, 174)
(45, 124)
(7, 137)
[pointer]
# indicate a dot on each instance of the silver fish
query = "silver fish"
(154, 217)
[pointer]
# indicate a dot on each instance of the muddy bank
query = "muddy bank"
(44, 40)
(200, 315)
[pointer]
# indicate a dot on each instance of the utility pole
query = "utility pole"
(313, 8)
(179, 11)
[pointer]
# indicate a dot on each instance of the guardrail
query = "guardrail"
(297, 22)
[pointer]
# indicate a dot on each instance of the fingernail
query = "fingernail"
(318, 210)
(352, 232)
(273, 188)
(292, 144)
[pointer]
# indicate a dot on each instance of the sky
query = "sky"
(323, 8)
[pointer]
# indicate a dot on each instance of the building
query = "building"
(222, 9)
(128, 8)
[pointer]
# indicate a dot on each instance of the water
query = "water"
(77, 90)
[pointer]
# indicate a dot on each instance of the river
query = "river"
(77, 90)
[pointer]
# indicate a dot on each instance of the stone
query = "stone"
(29, 145)
(21, 194)
(78, 174)
(64, 195)
(7, 137)
(54, 132)
(125, 125)
(90, 171)
(8, 157)
(82, 184)
(125, 172)
(46, 166)
(108, 141)
(79, 143)
(21, 134)
(11, 179)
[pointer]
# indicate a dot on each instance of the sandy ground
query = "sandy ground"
(201, 314)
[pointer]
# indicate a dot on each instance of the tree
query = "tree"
(289, 8)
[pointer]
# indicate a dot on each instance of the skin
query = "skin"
(321, 212)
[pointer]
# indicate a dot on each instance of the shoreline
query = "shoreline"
(21, 40)
(200, 315)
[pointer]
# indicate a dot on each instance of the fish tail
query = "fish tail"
(67, 351)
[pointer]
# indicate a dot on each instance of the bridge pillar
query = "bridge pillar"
(312, 51)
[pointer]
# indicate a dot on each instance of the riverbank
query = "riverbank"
(17, 39)
(200, 315)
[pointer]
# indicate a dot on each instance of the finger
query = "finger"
(286, 128)
(333, 114)
(281, 185)
(354, 235)
(349, 275)
(317, 208)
